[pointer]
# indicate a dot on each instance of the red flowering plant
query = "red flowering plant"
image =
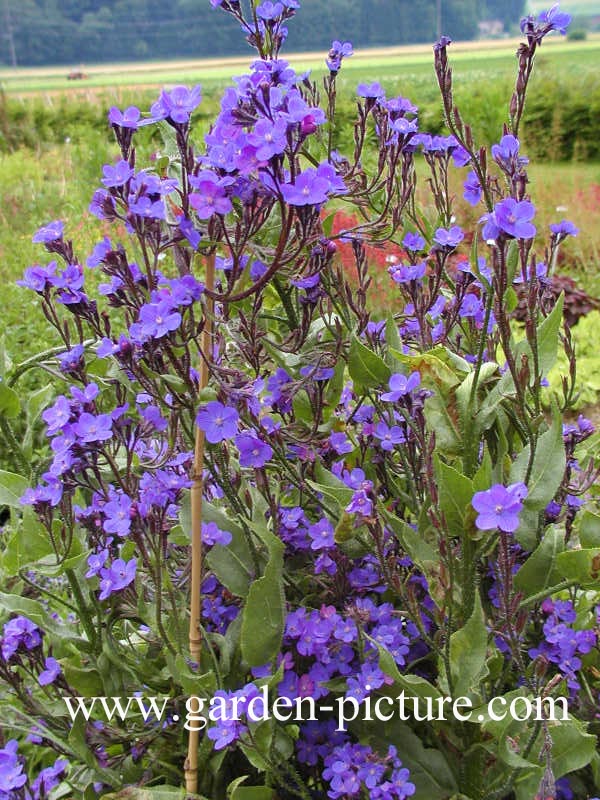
(390, 523)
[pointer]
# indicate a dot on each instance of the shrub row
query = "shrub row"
(563, 115)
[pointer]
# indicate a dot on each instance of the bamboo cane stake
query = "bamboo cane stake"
(195, 636)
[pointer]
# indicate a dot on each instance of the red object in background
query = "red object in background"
(379, 257)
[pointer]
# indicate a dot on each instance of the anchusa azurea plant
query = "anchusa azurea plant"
(388, 506)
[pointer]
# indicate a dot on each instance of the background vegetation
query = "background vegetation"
(46, 32)
(54, 142)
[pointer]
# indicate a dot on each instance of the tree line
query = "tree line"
(38, 32)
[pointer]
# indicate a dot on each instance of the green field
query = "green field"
(64, 123)
(478, 60)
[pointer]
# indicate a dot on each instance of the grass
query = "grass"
(481, 60)
(59, 179)
(59, 182)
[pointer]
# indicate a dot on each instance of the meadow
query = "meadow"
(67, 140)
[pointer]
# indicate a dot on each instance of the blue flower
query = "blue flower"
(499, 507)
(219, 422)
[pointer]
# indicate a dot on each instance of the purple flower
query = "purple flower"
(321, 535)
(507, 149)
(309, 189)
(130, 118)
(512, 217)
(413, 242)
(404, 126)
(401, 385)
(143, 206)
(58, 415)
(117, 515)
(405, 273)
(460, 157)
(118, 174)
(38, 278)
(157, 320)
(177, 104)
(99, 252)
(210, 195)
(499, 507)
(95, 563)
(71, 360)
(49, 233)
(389, 437)
(442, 43)
(253, 451)
(50, 673)
(373, 91)
(555, 19)
(19, 633)
(48, 778)
(361, 504)
(212, 534)
(472, 189)
(472, 306)
(269, 11)
(563, 229)
(337, 52)
(450, 237)
(218, 422)
(340, 443)
(12, 776)
(116, 577)
(187, 228)
(269, 138)
(93, 428)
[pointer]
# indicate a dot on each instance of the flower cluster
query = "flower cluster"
(562, 644)
(360, 474)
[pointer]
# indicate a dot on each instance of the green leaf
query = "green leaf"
(580, 566)
(174, 382)
(253, 793)
(455, 495)
(334, 388)
(512, 260)
(438, 367)
(264, 612)
(429, 769)
(366, 368)
(572, 749)
(448, 437)
(303, 410)
(539, 572)
(468, 651)
(12, 487)
(413, 543)
(154, 793)
(413, 685)
(231, 563)
(331, 486)
(546, 475)
(86, 681)
(28, 544)
(589, 529)
(10, 405)
(477, 418)
(547, 337)
(37, 401)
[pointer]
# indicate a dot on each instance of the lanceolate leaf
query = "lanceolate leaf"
(263, 616)
(366, 368)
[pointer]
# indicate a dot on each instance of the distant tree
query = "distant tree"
(508, 11)
(84, 31)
